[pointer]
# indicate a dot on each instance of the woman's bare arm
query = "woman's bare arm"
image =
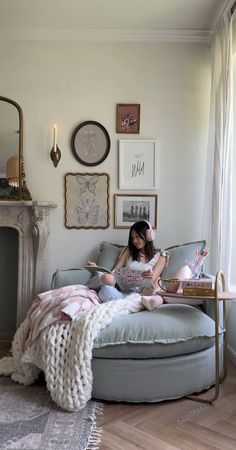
(159, 267)
(122, 259)
(156, 271)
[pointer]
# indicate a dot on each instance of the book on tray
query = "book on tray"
(198, 287)
(198, 292)
(202, 283)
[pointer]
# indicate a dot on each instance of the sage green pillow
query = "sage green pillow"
(108, 254)
(179, 255)
(66, 277)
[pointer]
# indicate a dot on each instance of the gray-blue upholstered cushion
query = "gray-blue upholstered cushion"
(179, 255)
(108, 254)
(169, 330)
(69, 276)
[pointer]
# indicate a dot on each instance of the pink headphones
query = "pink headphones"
(150, 234)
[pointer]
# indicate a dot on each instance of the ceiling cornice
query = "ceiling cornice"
(54, 34)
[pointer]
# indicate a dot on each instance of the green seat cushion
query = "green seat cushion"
(174, 329)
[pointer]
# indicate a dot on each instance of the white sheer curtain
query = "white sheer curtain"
(217, 214)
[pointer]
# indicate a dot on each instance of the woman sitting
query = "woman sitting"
(139, 255)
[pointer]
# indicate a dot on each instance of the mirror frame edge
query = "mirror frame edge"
(24, 193)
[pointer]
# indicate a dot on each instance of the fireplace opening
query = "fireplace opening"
(9, 254)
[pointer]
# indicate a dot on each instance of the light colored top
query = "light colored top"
(141, 265)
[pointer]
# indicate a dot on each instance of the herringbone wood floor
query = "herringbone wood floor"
(180, 424)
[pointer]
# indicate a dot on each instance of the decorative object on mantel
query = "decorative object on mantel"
(90, 143)
(87, 200)
(128, 118)
(12, 171)
(55, 152)
(11, 152)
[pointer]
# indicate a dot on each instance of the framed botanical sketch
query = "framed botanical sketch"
(131, 208)
(127, 118)
(90, 143)
(87, 200)
(137, 164)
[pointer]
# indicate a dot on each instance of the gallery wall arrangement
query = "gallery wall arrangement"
(87, 194)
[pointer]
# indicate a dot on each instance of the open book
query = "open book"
(126, 278)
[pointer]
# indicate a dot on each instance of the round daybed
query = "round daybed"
(151, 356)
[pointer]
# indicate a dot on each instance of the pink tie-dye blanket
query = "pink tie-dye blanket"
(57, 306)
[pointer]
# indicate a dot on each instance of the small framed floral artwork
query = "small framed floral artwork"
(128, 118)
(87, 200)
(131, 208)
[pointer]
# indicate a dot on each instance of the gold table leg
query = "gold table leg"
(217, 346)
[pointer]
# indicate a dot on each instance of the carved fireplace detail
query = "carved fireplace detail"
(31, 220)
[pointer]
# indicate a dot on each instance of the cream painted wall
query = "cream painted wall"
(70, 82)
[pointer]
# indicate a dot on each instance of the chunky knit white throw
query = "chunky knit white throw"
(64, 353)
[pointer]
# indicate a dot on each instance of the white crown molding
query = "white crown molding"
(54, 34)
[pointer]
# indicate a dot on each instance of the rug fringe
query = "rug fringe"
(96, 432)
(94, 438)
(99, 408)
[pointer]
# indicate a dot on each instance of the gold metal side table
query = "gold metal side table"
(219, 295)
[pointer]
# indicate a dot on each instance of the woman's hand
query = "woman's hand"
(92, 263)
(148, 273)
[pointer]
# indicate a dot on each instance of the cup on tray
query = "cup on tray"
(170, 285)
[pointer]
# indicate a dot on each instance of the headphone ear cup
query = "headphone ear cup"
(150, 234)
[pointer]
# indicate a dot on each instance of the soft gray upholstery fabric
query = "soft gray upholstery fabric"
(179, 255)
(108, 254)
(153, 380)
(169, 329)
(70, 276)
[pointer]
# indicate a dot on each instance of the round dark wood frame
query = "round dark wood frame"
(106, 150)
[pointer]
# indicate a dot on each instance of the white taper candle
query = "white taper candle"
(55, 139)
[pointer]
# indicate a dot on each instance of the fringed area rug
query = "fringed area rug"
(30, 420)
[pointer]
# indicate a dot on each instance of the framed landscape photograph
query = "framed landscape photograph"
(87, 200)
(131, 208)
(128, 118)
(137, 164)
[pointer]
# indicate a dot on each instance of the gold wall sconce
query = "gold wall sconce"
(55, 152)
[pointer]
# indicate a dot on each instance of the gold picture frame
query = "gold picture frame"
(129, 208)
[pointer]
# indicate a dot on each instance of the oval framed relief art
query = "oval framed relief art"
(90, 143)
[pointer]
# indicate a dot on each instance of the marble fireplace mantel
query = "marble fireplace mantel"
(31, 220)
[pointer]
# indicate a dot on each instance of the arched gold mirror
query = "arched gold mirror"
(12, 176)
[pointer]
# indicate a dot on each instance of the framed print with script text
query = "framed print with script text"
(137, 164)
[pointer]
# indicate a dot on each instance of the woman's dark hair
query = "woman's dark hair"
(140, 228)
